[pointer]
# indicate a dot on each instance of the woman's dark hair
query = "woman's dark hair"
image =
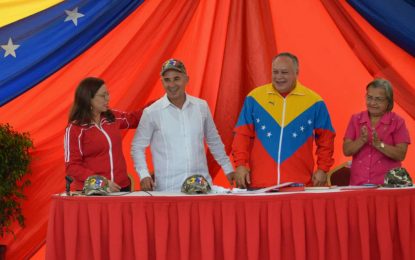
(81, 112)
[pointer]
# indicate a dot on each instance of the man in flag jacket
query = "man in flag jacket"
(276, 128)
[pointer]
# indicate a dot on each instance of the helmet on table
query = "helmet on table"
(196, 184)
(96, 185)
(398, 177)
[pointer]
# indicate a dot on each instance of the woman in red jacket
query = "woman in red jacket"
(93, 141)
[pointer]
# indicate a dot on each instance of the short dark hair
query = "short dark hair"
(292, 57)
(387, 86)
(81, 112)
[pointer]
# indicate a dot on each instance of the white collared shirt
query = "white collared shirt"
(176, 137)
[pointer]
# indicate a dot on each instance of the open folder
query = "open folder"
(282, 187)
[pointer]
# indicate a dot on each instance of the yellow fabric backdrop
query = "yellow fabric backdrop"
(14, 10)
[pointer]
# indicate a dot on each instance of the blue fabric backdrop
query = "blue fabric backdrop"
(394, 18)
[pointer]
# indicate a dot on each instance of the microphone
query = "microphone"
(68, 180)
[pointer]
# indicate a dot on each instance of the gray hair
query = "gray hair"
(387, 86)
(291, 56)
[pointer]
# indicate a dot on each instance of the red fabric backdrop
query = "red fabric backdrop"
(227, 46)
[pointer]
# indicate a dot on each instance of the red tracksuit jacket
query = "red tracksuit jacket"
(97, 150)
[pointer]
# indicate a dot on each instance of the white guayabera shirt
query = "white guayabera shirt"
(176, 137)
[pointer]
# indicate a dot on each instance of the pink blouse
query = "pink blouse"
(369, 165)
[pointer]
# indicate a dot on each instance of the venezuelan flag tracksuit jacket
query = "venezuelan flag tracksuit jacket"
(274, 135)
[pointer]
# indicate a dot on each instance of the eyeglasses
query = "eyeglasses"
(375, 99)
(105, 95)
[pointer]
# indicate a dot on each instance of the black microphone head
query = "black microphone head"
(69, 179)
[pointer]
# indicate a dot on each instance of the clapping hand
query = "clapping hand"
(363, 134)
(375, 139)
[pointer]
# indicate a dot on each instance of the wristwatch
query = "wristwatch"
(382, 145)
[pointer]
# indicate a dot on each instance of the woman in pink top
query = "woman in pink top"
(377, 139)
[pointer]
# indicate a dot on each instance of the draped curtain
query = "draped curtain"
(227, 46)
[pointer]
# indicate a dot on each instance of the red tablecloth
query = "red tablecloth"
(364, 224)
